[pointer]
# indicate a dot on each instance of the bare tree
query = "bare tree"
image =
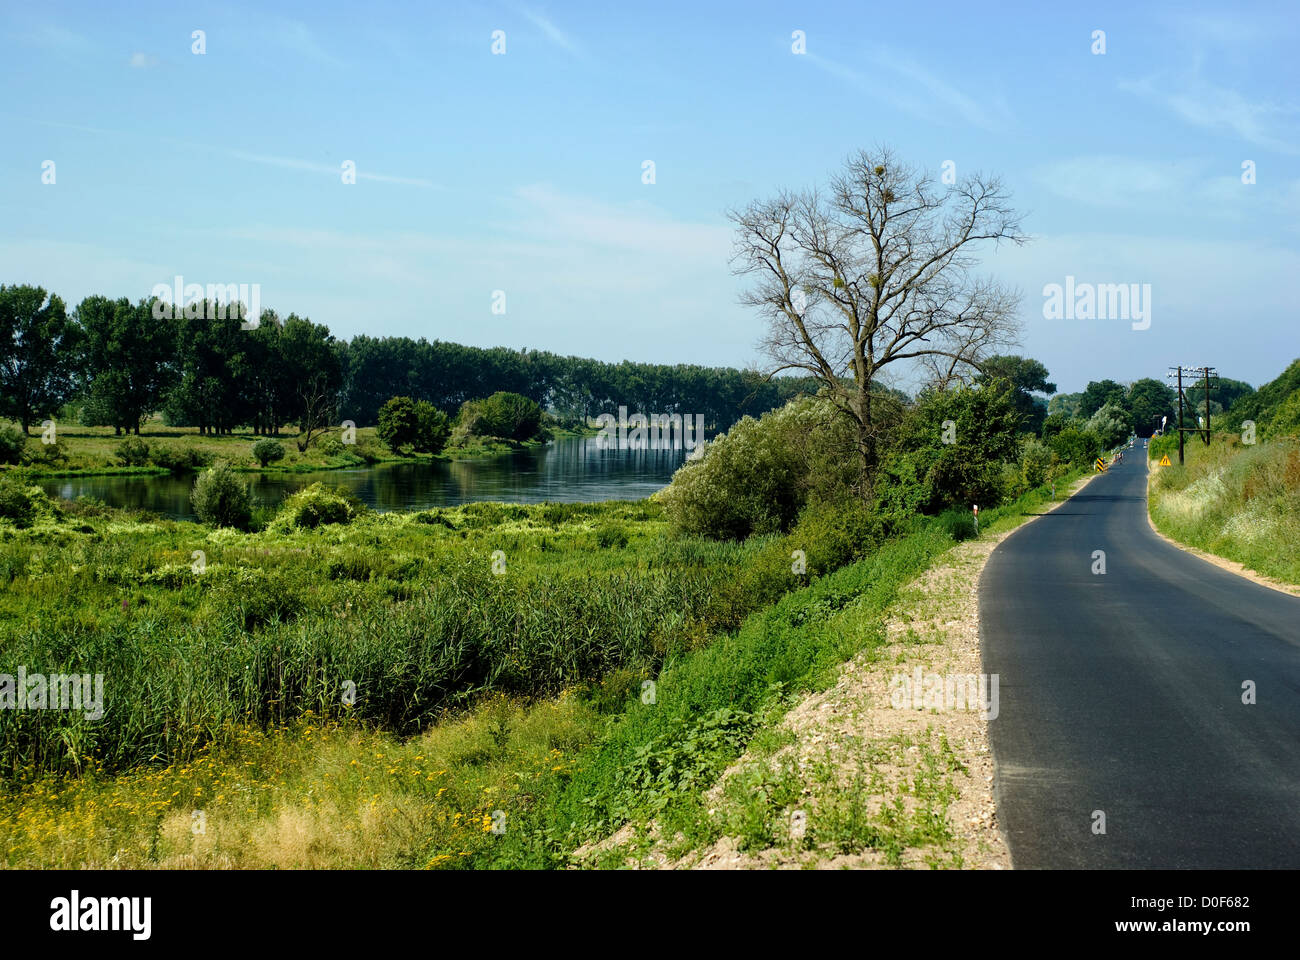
(877, 271)
(316, 396)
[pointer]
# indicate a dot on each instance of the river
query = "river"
(568, 470)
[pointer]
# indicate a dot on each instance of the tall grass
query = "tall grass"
(393, 620)
(1237, 501)
(336, 791)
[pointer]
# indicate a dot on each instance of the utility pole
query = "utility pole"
(1207, 406)
(1180, 415)
(1207, 373)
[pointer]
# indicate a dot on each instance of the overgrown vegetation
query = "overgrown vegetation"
(289, 776)
(422, 612)
(1239, 497)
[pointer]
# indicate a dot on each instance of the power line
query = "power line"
(1210, 376)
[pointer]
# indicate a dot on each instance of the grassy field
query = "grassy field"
(85, 451)
(487, 627)
(1234, 500)
(499, 719)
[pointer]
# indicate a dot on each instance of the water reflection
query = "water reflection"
(567, 470)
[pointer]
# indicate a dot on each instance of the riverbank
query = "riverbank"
(98, 452)
(487, 686)
(425, 665)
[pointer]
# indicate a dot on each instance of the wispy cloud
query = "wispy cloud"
(941, 101)
(1212, 47)
(292, 163)
(552, 32)
(270, 160)
(550, 215)
(60, 39)
(1172, 186)
(298, 37)
(142, 60)
(1115, 181)
(1212, 107)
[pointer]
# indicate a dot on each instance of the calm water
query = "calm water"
(572, 469)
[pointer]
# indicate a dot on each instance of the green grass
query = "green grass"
(1234, 500)
(420, 612)
(91, 451)
(481, 699)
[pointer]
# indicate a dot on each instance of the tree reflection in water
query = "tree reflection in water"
(568, 470)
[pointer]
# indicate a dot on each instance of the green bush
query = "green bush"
(397, 423)
(12, 444)
(1076, 446)
(179, 458)
(509, 416)
(758, 476)
(220, 498)
(268, 451)
(1111, 424)
(611, 535)
(949, 451)
(17, 504)
(46, 454)
(432, 428)
(132, 452)
(315, 506)
(416, 425)
(832, 534)
(1035, 466)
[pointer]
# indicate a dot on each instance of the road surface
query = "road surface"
(1122, 693)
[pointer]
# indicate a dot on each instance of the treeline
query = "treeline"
(115, 363)
(1139, 407)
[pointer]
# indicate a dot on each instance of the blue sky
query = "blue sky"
(523, 172)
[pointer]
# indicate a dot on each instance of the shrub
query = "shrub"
(46, 454)
(1111, 424)
(315, 505)
(414, 424)
(1035, 459)
(179, 459)
(220, 498)
(949, 451)
(17, 503)
(132, 452)
(432, 428)
(758, 476)
(330, 445)
(12, 444)
(1076, 446)
(268, 451)
(834, 534)
(611, 535)
(397, 423)
(507, 415)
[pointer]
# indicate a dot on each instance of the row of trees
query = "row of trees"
(118, 363)
(574, 388)
(1139, 406)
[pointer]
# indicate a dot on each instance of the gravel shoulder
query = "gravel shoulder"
(869, 773)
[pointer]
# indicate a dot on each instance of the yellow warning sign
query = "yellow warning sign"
(1164, 461)
(1101, 465)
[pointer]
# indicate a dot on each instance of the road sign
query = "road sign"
(1164, 461)
(1101, 465)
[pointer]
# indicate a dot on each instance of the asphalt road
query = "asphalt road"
(1122, 693)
